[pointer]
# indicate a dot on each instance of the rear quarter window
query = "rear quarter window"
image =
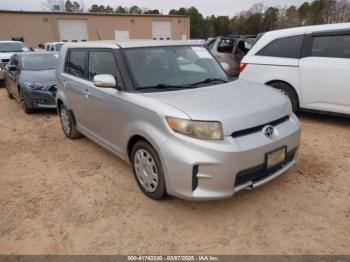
(286, 47)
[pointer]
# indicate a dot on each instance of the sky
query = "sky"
(206, 7)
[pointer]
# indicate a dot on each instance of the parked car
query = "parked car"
(230, 50)
(169, 110)
(54, 47)
(310, 65)
(31, 79)
(7, 49)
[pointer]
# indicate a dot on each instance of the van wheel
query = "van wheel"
(287, 90)
(148, 170)
(68, 124)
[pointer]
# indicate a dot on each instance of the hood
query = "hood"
(237, 105)
(6, 55)
(43, 76)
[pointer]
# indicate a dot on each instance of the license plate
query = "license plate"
(276, 157)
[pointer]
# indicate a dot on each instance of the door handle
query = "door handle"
(87, 93)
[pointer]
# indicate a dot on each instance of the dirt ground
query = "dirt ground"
(72, 197)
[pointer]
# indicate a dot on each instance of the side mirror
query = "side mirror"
(225, 66)
(105, 81)
(11, 67)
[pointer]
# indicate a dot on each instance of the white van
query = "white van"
(311, 65)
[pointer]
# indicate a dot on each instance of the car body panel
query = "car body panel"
(112, 117)
(319, 82)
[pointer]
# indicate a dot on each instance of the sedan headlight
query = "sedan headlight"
(197, 129)
(37, 86)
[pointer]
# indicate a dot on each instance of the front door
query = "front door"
(106, 105)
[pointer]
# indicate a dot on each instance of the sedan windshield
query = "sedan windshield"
(39, 61)
(173, 67)
(11, 47)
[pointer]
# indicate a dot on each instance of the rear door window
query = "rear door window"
(286, 47)
(76, 63)
(337, 46)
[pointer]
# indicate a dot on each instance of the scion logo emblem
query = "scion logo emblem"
(268, 130)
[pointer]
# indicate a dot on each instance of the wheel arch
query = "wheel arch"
(269, 83)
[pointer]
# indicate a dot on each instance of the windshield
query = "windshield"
(11, 47)
(58, 47)
(174, 66)
(39, 61)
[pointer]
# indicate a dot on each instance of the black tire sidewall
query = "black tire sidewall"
(160, 193)
(62, 107)
(288, 90)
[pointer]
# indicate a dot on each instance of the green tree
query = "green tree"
(121, 10)
(270, 19)
(154, 12)
(109, 9)
(135, 10)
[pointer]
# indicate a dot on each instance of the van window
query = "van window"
(75, 64)
(286, 47)
(337, 46)
(101, 62)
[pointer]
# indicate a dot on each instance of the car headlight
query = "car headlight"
(197, 129)
(37, 86)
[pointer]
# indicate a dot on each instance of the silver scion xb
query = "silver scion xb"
(169, 109)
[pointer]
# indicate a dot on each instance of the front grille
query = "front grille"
(258, 128)
(259, 172)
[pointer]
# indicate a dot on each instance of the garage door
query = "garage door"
(161, 30)
(72, 29)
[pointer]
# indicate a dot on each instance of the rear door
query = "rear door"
(325, 72)
(76, 84)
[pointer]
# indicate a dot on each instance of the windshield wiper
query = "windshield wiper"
(210, 80)
(163, 86)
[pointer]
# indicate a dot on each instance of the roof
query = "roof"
(131, 43)
(9, 41)
(87, 14)
(30, 53)
(267, 37)
(309, 29)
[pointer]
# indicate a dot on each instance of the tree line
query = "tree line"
(259, 18)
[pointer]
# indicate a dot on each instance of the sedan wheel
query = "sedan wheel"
(24, 105)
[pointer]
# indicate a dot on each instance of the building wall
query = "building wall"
(39, 27)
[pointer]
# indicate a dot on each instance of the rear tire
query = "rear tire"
(148, 170)
(287, 90)
(2, 83)
(68, 123)
(9, 95)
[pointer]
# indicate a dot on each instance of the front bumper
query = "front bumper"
(40, 99)
(207, 170)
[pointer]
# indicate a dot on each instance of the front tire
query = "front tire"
(148, 170)
(68, 123)
(24, 104)
(288, 91)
